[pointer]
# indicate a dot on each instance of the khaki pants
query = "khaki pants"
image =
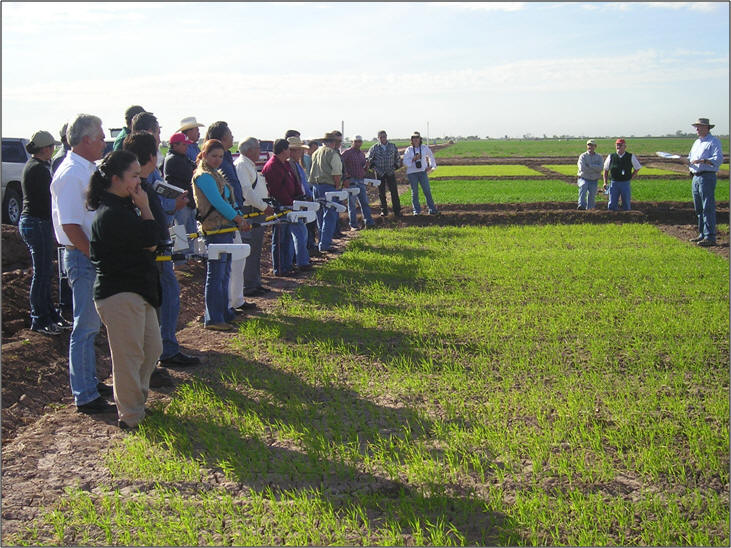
(135, 345)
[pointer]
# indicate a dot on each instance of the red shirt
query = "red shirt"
(281, 181)
(354, 161)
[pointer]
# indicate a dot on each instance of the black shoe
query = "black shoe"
(104, 389)
(314, 252)
(50, 329)
(96, 406)
(707, 243)
(160, 378)
(305, 267)
(124, 426)
(246, 306)
(180, 360)
(64, 324)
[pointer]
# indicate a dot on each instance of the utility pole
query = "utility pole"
(342, 128)
(427, 133)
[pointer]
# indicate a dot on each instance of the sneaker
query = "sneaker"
(223, 326)
(180, 360)
(50, 329)
(696, 239)
(354, 228)
(707, 243)
(160, 378)
(99, 405)
(64, 324)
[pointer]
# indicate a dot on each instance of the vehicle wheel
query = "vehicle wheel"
(12, 206)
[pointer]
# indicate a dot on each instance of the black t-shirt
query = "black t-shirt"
(117, 250)
(36, 187)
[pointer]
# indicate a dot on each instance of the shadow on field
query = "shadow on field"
(321, 419)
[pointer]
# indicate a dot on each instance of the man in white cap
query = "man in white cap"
(706, 155)
(590, 166)
(189, 126)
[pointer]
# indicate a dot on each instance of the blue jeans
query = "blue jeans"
(186, 217)
(217, 274)
(82, 354)
(38, 236)
(299, 243)
(281, 249)
(587, 193)
(415, 179)
(364, 207)
(704, 200)
(169, 309)
(617, 189)
(326, 218)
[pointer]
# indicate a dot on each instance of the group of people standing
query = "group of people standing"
(620, 167)
(114, 228)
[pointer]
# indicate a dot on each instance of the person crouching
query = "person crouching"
(124, 237)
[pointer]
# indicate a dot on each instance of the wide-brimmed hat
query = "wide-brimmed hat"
(296, 142)
(189, 123)
(332, 136)
(39, 140)
(703, 122)
(179, 137)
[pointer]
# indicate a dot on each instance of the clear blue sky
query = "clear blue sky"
(466, 68)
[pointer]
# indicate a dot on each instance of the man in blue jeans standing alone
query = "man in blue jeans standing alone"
(704, 160)
(72, 225)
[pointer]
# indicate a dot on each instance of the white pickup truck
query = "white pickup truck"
(14, 158)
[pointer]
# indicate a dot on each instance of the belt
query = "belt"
(701, 173)
(70, 247)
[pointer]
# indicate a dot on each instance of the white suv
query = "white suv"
(14, 157)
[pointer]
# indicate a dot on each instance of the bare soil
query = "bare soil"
(47, 446)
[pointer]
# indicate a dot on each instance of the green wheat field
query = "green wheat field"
(537, 385)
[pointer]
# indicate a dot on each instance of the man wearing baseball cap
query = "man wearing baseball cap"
(706, 155)
(590, 169)
(622, 167)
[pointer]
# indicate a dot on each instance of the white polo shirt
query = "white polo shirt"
(254, 194)
(68, 196)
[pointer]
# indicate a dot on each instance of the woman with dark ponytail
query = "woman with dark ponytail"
(124, 236)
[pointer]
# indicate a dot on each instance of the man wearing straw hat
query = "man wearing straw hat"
(189, 126)
(706, 155)
(326, 176)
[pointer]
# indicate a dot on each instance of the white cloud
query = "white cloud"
(482, 6)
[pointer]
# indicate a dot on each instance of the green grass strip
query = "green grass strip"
(484, 171)
(570, 169)
(511, 148)
(531, 191)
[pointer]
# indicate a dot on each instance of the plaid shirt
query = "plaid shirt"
(385, 162)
